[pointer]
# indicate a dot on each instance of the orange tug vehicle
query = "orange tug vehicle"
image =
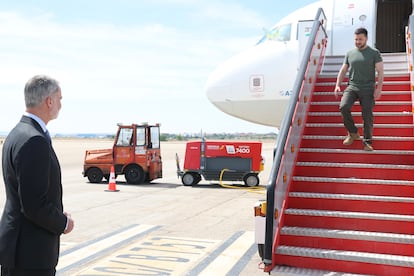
(135, 154)
(221, 160)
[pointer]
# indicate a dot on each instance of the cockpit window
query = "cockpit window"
(278, 33)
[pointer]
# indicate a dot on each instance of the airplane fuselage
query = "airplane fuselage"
(255, 84)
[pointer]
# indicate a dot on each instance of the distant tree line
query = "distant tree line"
(218, 136)
(181, 137)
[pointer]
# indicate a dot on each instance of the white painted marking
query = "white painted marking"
(90, 250)
(154, 255)
(222, 264)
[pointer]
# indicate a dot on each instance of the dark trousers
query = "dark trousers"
(366, 99)
(26, 272)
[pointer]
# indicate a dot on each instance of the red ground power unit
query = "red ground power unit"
(222, 160)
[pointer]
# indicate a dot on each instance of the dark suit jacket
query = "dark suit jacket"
(33, 218)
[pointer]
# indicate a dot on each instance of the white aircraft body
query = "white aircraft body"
(255, 85)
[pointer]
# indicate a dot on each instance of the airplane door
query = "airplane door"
(347, 17)
(392, 18)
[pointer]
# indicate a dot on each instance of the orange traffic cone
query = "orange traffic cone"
(112, 182)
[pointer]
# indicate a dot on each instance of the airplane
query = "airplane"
(255, 84)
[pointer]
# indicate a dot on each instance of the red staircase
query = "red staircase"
(350, 210)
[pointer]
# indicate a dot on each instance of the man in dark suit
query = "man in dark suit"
(33, 218)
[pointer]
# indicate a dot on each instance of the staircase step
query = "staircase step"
(402, 157)
(356, 165)
(356, 169)
(349, 185)
(402, 77)
(357, 215)
(379, 142)
(329, 86)
(380, 106)
(380, 117)
(330, 71)
(362, 221)
(348, 234)
(354, 262)
(296, 271)
(339, 239)
(324, 125)
(403, 95)
(352, 202)
(377, 138)
(355, 180)
(339, 129)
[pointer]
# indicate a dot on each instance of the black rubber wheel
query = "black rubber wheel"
(190, 179)
(251, 180)
(198, 179)
(134, 174)
(94, 175)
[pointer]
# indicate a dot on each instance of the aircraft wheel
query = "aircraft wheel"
(134, 174)
(94, 175)
(251, 180)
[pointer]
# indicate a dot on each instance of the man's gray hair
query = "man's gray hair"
(38, 88)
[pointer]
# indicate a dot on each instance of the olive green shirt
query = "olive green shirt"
(362, 67)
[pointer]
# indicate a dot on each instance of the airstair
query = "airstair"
(340, 210)
(348, 209)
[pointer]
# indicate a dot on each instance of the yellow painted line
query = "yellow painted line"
(154, 255)
(229, 257)
(86, 252)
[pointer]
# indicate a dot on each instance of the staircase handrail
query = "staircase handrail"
(276, 187)
(410, 55)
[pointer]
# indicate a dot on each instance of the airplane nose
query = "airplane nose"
(218, 85)
(227, 83)
(218, 89)
(225, 105)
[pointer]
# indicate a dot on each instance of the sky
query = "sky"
(129, 61)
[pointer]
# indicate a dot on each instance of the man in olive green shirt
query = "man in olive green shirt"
(362, 62)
